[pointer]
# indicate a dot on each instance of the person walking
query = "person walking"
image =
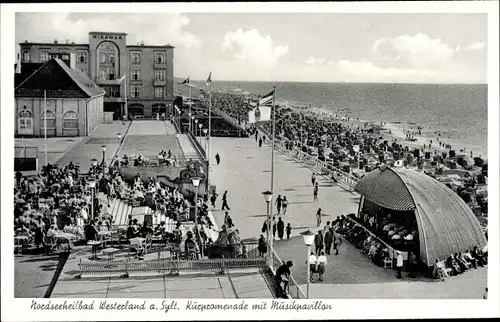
(318, 217)
(312, 261)
(315, 192)
(264, 227)
(278, 203)
(313, 179)
(337, 241)
(281, 228)
(260, 142)
(224, 201)
(217, 158)
(284, 203)
(288, 231)
(213, 198)
(399, 264)
(318, 242)
(322, 261)
(328, 240)
(256, 135)
(227, 220)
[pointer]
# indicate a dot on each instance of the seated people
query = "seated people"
(439, 270)
(451, 263)
(282, 279)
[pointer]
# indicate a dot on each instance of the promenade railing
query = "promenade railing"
(340, 177)
(294, 290)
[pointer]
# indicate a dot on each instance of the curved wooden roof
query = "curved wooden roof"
(446, 224)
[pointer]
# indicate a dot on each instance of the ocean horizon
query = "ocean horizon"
(459, 112)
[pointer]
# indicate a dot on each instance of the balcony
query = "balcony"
(114, 99)
(160, 65)
(99, 81)
(135, 81)
(159, 82)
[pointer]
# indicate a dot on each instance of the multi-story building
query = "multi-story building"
(149, 70)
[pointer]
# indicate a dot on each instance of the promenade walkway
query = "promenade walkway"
(90, 148)
(245, 172)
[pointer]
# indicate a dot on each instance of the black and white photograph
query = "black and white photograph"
(279, 157)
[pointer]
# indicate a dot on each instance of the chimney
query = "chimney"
(67, 41)
(55, 41)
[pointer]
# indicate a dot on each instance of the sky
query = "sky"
(302, 47)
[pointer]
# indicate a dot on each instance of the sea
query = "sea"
(459, 112)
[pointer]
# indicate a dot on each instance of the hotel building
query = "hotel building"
(149, 84)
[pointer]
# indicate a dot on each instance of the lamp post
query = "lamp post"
(192, 122)
(178, 143)
(268, 197)
(189, 120)
(196, 183)
(103, 149)
(200, 126)
(205, 131)
(119, 135)
(308, 240)
(93, 163)
(195, 127)
(92, 188)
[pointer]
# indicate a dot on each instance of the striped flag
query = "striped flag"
(209, 79)
(263, 110)
(186, 81)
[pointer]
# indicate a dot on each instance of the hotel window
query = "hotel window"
(135, 57)
(103, 58)
(135, 91)
(81, 57)
(26, 56)
(160, 57)
(159, 92)
(44, 56)
(135, 74)
(159, 74)
(70, 120)
(51, 120)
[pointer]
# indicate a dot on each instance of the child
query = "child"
(288, 231)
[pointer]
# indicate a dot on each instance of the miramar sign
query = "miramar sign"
(107, 37)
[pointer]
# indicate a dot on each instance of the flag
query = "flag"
(267, 100)
(186, 81)
(263, 110)
(209, 79)
(122, 78)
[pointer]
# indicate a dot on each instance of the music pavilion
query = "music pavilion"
(419, 203)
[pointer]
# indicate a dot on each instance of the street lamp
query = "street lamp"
(189, 120)
(196, 183)
(268, 197)
(103, 149)
(192, 120)
(119, 142)
(195, 127)
(205, 131)
(92, 187)
(200, 126)
(308, 240)
(177, 147)
(93, 163)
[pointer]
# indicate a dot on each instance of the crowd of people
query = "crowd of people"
(163, 158)
(56, 205)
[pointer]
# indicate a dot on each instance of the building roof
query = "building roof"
(150, 46)
(59, 80)
(107, 33)
(27, 69)
(446, 224)
(50, 44)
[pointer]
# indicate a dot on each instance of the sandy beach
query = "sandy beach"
(395, 131)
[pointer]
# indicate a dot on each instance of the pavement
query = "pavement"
(150, 137)
(244, 172)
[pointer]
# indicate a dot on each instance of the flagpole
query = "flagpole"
(209, 134)
(45, 124)
(126, 107)
(273, 116)
(189, 86)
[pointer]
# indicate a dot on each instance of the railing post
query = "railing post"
(223, 266)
